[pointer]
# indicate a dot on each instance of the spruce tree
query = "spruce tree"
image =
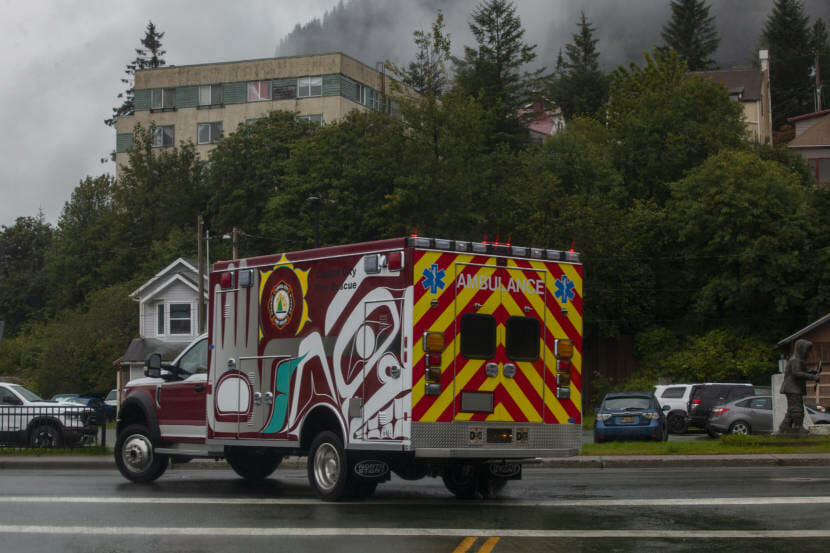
(493, 72)
(149, 56)
(787, 36)
(427, 73)
(691, 33)
(579, 87)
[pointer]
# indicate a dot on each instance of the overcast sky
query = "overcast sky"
(61, 61)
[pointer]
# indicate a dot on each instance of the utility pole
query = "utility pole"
(235, 251)
(201, 309)
(818, 84)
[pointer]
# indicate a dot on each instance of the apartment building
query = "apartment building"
(202, 102)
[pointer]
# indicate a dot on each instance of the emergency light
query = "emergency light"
(492, 248)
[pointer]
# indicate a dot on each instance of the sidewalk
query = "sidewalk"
(106, 462)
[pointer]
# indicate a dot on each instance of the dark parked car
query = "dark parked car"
(630, 416)
(705, 396)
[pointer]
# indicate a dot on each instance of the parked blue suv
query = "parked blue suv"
(630, 416)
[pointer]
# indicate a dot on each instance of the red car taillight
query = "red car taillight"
(719, 410)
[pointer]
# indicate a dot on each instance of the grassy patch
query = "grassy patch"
(42, 452)
(726, 445)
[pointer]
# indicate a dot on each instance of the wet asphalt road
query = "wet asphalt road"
(715, 509)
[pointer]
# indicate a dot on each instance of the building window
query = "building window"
(259, 91)
(368, 97)
(163, 136)
(179, 318)
(207, 133)
(315, 118)
(309, 86)
(160, 319)
(821, 168)
(210, 95)
(163, 98)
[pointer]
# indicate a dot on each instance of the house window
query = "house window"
(179, 318)
(163, 137)
(309, 86)
(210, 95)
(259, 91)
(207, 133)
(160, 319)
(821, 168)
(315, 118)
(162, 98)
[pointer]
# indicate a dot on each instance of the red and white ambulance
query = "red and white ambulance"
(418, 356)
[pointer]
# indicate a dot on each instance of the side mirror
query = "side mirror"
(152, 366)
(667, 408)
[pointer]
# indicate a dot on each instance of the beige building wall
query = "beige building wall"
(185, 120)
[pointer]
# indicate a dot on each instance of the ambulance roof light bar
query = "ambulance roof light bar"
(493, 248)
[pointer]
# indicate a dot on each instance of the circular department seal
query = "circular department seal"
(281, 305)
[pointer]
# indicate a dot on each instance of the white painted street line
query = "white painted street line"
(411, 532)
(671, 502)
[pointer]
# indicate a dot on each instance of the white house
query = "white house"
(168, 315)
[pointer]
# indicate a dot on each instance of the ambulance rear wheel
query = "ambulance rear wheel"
(253, 463)
(328, 467)
(462, 480)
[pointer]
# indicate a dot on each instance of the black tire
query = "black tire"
(677, 424)
(491, 486)
(329, 467)
(253, 463)
(46, 435)
(462, 480)
(135, 455)
(712, 432)
(740, 427)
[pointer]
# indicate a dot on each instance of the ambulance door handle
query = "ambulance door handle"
(491, 369)
(269, 398)
(509, 370)
(257, 398)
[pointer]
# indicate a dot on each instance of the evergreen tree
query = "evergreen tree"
(691, 33)
(427, 73)
(579, 87)
(492, 72)
(787, 36)
(149, 56)
(821, 52)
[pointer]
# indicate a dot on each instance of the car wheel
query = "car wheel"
(677, 424)
(253, 463)
(135, 457)
(712, 432)
(46, 435)
(740, 427)
(462, 480)
(328, 467)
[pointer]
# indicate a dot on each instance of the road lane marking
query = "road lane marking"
(465, 545)
(488, 545)
(675, 502)
(410, 532)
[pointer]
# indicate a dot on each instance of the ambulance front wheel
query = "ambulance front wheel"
(135, 456)
(328, 467)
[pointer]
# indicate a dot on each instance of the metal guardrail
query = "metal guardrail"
(49, 427)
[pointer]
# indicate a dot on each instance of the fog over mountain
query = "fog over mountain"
(376, 30)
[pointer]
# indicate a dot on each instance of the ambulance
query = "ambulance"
(415, 356)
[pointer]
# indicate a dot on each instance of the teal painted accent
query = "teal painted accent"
(187, 96)
(287, 81)
(235, 93)
(123, 142)
(284, 373)
(141, 99)
(331, 85)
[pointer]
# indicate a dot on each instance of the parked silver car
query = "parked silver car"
(752, 415)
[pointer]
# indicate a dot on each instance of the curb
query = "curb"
(84, 462)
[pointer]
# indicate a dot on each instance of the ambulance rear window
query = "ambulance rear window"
(478, 336)
(522, 339)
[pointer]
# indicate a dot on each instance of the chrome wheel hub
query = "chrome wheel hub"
(137, 453)
(326, 466)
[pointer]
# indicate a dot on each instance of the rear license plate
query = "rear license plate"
(627, 419)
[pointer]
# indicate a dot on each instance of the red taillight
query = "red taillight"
(394, 261)
(695, 402)
(719, 410)
(226, 280)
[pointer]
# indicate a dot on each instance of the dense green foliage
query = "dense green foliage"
(705, 249)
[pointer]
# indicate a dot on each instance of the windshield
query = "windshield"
(26, 394)
(113, 395)
(627, 403)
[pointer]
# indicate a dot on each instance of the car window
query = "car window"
(478, 336)
(760, 403)
(674, 392)
(744, 403)
(195, 360)
(522, 338)
(627, 403)
(7, 397)
(27, 394)
(740, 391)
(112, 396)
